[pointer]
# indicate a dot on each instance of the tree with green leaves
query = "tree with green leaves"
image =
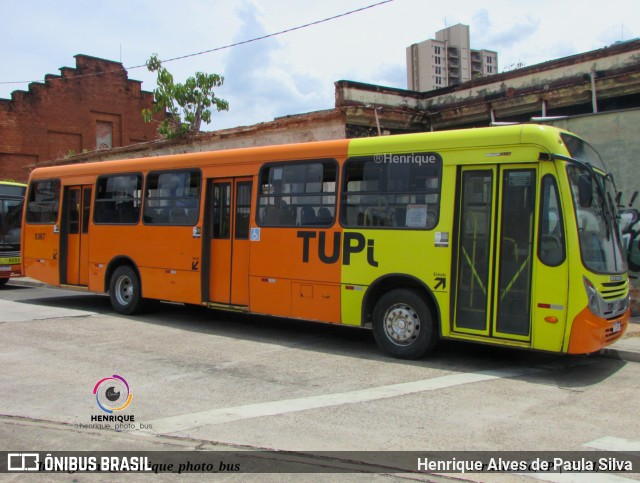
(188, 104)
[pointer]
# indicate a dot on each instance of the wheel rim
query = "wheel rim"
(402, 324)
(124, 290)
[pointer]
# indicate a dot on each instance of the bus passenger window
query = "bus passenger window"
(172, 198)
(118, 199)
(298, 194)
(551, 243)
(400, 191)
(43, 202)
(243, 209)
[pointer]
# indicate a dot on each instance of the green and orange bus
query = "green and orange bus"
(503, 235)
(11, 203)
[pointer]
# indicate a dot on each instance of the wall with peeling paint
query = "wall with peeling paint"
(614, 134)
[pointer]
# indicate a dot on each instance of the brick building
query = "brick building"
(92, 106)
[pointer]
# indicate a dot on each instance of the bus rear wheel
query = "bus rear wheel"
(3, 281)
(403, 325)
(125, 291)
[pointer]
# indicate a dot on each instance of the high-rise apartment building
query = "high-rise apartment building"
(447, 60)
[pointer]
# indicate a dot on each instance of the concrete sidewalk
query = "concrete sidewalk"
(626, 349)
(21, 312)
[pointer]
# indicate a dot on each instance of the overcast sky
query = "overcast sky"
(292, 73)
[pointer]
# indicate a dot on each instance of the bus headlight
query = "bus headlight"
(592, 297)
(624, 304)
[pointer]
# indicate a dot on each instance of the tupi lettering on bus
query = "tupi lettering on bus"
(351, 244)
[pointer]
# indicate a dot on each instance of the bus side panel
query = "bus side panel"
(283, 256)
(97, 273)
(398, 252)
(108, 242)
(167, 257)
(301, 262)
(308, 300)
(169, 284)
(550, 289)
(550, 301)
(40, 253)
(352, 299)
(423, 255)
(270, 296)
(43, 270)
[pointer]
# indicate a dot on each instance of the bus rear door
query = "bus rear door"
(74, 263)
(226, 248)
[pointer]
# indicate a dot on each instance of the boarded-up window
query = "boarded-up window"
(104, 135)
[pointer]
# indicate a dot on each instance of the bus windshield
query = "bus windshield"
(600, 243)
(10, 221)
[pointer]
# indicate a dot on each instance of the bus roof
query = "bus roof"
(232, 157)
(533, 134)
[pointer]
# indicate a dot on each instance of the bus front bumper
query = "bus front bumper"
(590, 333)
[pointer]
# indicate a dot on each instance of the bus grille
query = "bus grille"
(614, 290)
(613, 299)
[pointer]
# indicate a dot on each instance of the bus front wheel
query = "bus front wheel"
(403, 325)
(125, 291)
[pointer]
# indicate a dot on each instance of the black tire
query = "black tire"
(403, 325)
(125, 291)
(3, 281)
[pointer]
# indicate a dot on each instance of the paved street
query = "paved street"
(210, 380)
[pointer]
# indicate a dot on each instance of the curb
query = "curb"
(620, 354)
(26, 282)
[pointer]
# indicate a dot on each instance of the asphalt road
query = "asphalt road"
(210, 380)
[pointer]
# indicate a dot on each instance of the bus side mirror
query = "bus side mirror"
(585, 191)
(634, 253)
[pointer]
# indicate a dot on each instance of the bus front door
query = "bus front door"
(74, 262)
(226, 255)
(495, 252)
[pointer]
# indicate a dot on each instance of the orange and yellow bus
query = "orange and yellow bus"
(502, 235)
(11, 203)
